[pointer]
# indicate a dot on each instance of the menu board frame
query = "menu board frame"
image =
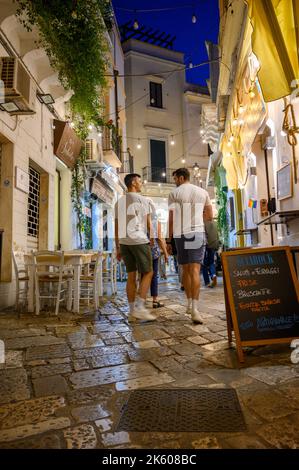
(231, 313)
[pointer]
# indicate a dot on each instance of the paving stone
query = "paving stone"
(105, 361)
(169, 342)
(218, 346)
(14, 385)
(62, 331)
(86, 413)
(281, 434)
(206, 443)
(212, 337)
(151, 343)
(214, 328)
(245, 442)
(165, 363)
(114, 341)
(83, 340)
(104, 425)
(199, 328)
(108, 375)
(269, 405)
(92, 352)
(29, 411)
(90, 395)
(13, 360)
(80, 364)
(23, 343)
(142, 382)
(23, 333)
(179, 331)
(49, 441)
(20, 432)
(197, 340)
(53, 385)
(145, 333)
(60, 360)
(81, 437)
(47, 352)
(54, 369)
(185, 349)
(149, 354)
(114, 439)
(109, 335)
(273, 375)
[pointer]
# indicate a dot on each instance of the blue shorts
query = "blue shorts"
(191, 248)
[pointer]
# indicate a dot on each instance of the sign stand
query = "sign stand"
(233, 310)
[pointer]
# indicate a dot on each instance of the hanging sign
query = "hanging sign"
(67, 145)
(102, 192)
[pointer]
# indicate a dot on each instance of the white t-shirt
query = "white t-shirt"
(131, 211)
(188, 202)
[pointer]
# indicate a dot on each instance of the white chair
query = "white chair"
(21, 275)
(109, 271)
(49, 269)
(91, 282)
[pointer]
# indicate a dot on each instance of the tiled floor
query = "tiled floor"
(66, 379)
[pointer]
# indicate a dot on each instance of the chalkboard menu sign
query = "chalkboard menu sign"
(262, 296)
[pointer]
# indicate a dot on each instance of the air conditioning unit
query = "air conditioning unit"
(19, 87)
(94, 157)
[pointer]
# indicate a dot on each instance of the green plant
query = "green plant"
(73, 34)
(222, 219)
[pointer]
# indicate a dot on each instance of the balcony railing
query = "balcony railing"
(157, 175)
(127, 164)
(111, 141)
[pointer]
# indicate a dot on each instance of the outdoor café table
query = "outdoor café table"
(76, 260)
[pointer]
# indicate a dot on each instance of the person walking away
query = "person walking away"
(158, 246)
(132, 224)
(189, 207)
(213, 245)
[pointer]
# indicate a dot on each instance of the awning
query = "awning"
(275, 42)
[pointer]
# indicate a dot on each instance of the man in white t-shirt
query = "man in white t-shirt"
(132, 224)
(189, 207)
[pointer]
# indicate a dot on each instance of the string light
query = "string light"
(183, 160)
(235, 122)
(100, 134)
(139, 146)
(164, 174)
(72, 124)
(241, 109)
(190, 65)
(283, 133)
(90, 127)
(204, 141)
(194, 19)
(145, 182)
(251, 94)
(172, 141)
(241, 122)
(135, 24)
(201, 132)
(229, 144)
(231, 138)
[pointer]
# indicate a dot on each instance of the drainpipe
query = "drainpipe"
(115, 74)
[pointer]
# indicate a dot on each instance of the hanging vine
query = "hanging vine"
(222, 219)
(74, 35)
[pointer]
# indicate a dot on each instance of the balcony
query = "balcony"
(127, 164)
(157, 175)
(111, 144)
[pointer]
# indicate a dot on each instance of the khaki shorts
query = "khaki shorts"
(137, 258)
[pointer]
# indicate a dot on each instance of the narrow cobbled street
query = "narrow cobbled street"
(67, 378)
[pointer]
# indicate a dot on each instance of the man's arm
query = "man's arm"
(118, 255)
(208, 213)
(162, 242)
(150, 228)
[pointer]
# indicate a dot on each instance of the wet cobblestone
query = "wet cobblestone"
(67, 378)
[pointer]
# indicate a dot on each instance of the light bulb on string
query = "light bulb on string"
(235, 122)
(136, 24)
(72, 124)
(145, 182)
(241, 109)
(231, 139)
(229, 144)
(139, 146)
(172, 141)
(190, 66)
(251, 93)
(194, 19)
(90, 127)
(283, 133)
(100, 134)
(183, 160)
(202, 132)
(241, 122)
(163, 174)
(204, 141)
(152, 100)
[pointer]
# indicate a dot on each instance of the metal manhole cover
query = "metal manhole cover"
(201, 410)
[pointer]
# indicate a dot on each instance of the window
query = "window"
(33, 203)
(158, 161)
(156, 95)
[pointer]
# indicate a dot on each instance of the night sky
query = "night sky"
(190, 38)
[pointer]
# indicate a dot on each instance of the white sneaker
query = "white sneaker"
(143, 314)
(195, 315)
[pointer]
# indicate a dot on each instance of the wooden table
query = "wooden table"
(76, 260)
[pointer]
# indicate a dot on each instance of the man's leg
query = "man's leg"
(145, 284)
(205, 268)
(186, 279)
(131, 287)
(143, 257)
(194, 270)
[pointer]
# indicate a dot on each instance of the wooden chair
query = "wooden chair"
(91, 282)
(49, 269)
(21, 275)
(110, 271)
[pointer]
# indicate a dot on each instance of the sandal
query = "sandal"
(158, 305)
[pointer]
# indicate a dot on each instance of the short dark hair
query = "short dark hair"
(184, 172)
(130, 178)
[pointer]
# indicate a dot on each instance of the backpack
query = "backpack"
(213, 240)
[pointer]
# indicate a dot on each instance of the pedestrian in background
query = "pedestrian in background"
(213, 245)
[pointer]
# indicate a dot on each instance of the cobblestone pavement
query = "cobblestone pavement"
(66, 378)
